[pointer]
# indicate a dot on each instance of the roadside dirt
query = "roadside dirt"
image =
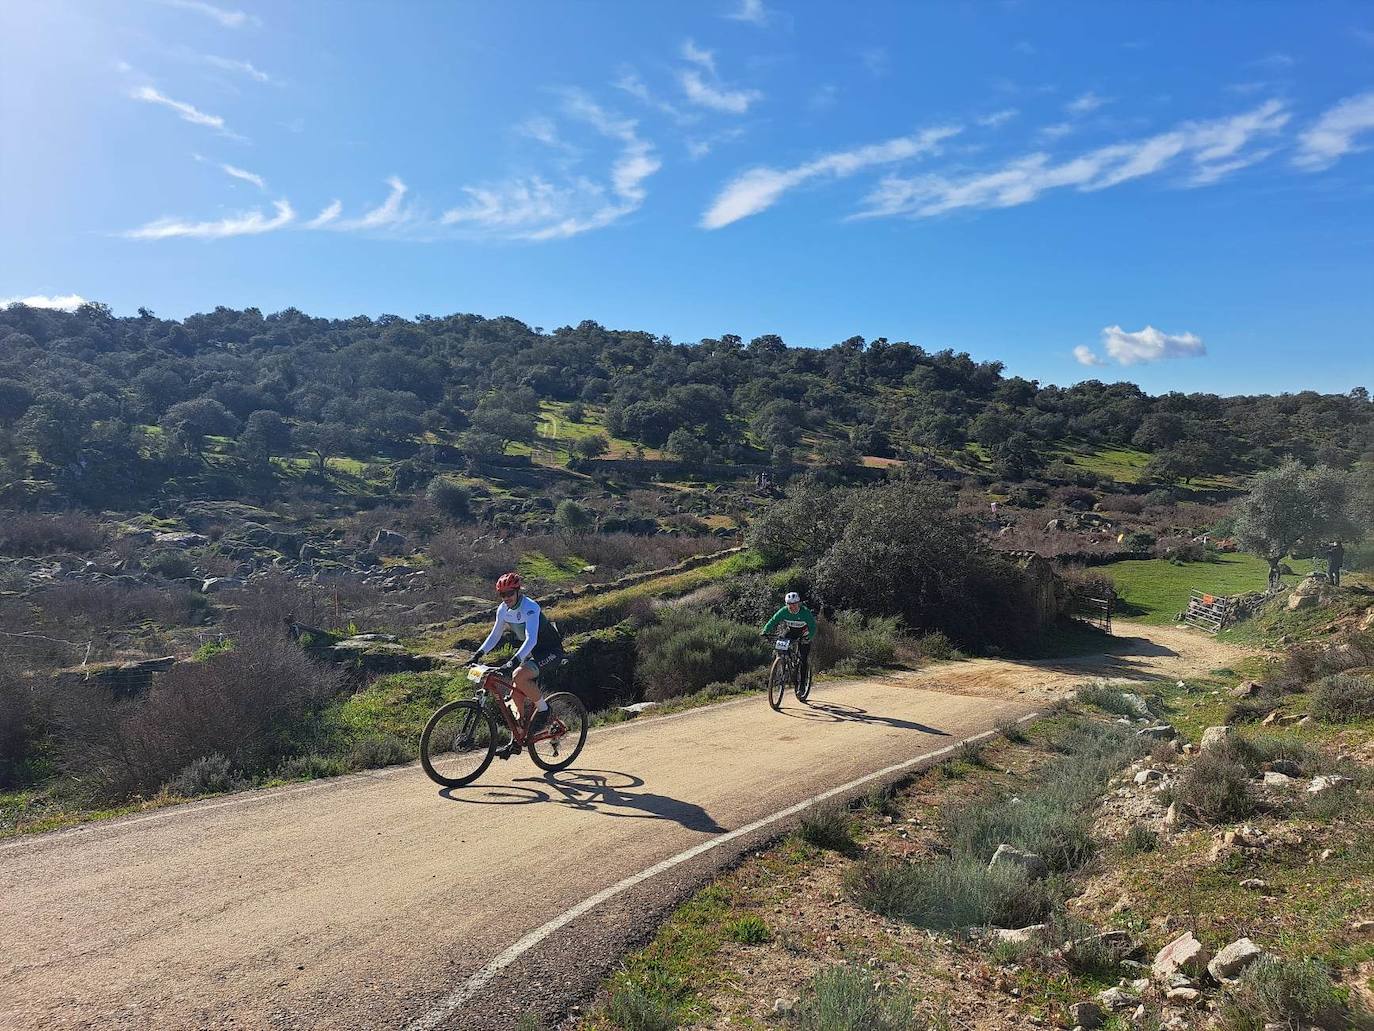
(368, 901)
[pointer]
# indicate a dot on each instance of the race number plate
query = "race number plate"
(782, 644)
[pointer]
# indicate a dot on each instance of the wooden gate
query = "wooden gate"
(1208, 612)
(1097, 611)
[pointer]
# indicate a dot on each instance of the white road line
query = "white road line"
(460, 995)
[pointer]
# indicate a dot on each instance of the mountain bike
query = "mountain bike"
(786, 671)
(462, 737)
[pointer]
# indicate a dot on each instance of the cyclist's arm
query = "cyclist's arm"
(769, 627)
(494, 637)
(810, 618)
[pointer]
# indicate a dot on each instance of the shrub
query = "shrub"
(1013, 730)
(247, 704)
(935, 645)
(947, 893)
(24, 711)
(828, 827)
(687, 650)
(844, 999)
(42, 533)
(1215, 787)
(572, 517)
(377, 750)
(1291, 993)
(310, 767)
(1343, 698)
(173, 565)
(1086, 953)
(450, 497)
(855, 643)
(1075, 497)
(1108, 699)
(1127, 504)
(209, 775)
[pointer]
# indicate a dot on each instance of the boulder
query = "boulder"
(1086, 1015)
(1185, 954)
(1245, 690)
(1234, 958)
(1017, 935)
(1320, 784)
(1273, 779)
(1118, 998)
(180, 539)
(1214, 737)
(389, 540)
(215, 584)
(1137, 703)
(1285, 766)
(1157, 732)
(1032, 864)
(1145, 776)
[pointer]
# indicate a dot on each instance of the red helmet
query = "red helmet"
(509, 582)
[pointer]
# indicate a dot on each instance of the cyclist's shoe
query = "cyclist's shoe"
(507, 750)
(539, 722)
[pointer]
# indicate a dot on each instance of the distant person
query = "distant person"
(1335, 558)
(540, 642)
(801, 627)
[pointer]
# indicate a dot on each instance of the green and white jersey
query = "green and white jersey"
(801, 619)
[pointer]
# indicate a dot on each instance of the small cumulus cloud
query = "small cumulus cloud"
(758, 189)
(1150, 345)
(1057, 131)
(57, 302)
(1335, 133)
(1086, 355)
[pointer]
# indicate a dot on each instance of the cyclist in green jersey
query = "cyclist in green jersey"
(801, 626)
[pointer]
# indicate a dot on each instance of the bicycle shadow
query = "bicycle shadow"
(835, 712)
(608, 792)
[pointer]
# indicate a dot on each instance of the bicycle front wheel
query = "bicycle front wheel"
(777, 683)
(458, 743)
(560, 740)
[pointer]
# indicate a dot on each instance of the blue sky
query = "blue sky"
(1180, 195)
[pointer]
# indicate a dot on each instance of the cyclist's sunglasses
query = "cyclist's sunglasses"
(507, 594)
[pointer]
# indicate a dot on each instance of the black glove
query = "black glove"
(474, 658)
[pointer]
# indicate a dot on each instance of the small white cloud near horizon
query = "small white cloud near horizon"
(758, 189)
(56, 302)
(247, 223)
(388, 213)
(1086, 356)
(247, 68)
(751, 11)
(1150, 345)
(1085, 103)
(230, 19)
(1334, 134)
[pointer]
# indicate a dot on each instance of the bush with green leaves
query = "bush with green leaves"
(652, 1002)
(173, 565)
(208, 775)
(1215, 787)
(749, 930)
(1290, 993)
(847, 999)
(688, 649)
(376, 750)
(1343, 698)
(450, 497)
(572, 517)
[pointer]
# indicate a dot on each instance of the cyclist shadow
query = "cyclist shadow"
(609, 792)
(834, 712)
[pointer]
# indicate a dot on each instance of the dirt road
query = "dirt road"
(375, 901)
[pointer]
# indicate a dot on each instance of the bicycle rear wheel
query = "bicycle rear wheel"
(803, 687)
(458, 743)
(561, 739)
(777, 682)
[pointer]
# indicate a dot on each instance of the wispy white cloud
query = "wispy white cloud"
(328, 215)
(997, 118)
(229, 18)
(1211, 151)
(57, 302)
(385, 215)
(1057, 131)
(699, 146)
(876, 60)
(188, 112)
(758, 189)
(1084, 104)
(532, 208)
(751, 11)
(246, 176)
(1086, 355)
(247, 68)
(1149, 345)
(1275, 62)
(246, 223)
(1335, 132)
(702, 85)
(631, 83)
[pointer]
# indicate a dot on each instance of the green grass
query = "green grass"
(1122, 464)
(538, 566)
(400, 704)
(1156, 590)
